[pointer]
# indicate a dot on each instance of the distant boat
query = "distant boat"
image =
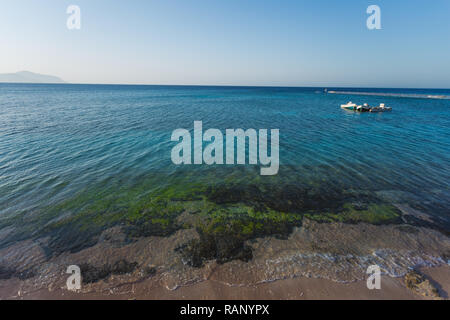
(349, 106)
(365, 107)
(381, 108)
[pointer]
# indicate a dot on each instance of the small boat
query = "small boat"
(365, 107)
(381, 108)
(349, 106)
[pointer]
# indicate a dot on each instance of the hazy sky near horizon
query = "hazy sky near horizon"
(230, 42)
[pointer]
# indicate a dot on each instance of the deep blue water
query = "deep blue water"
(57, 141)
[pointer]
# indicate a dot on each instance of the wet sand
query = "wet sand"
(317, 261)
(291, 289)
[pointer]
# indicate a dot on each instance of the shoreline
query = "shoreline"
(300, 288)
(328, 260)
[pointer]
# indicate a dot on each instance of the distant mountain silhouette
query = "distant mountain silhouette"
(28, 77)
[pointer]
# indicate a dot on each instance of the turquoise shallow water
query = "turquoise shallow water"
(60, 142)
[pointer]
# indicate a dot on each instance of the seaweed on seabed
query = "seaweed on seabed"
(283, 198)
(91, 274)
(224, 239)
(222, 247)
(223, 194)
(373, 213)
(153, 217)
(146, 227)
(245, 212)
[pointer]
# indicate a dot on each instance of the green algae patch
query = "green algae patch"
(153, 218)
(224, 231)
(238, 205)
(250, 226)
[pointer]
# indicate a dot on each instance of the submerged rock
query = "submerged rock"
(123, 267)
(419, 285)
(8, 273)
(148, 271)
(222, 248)
(283, 198)
(92, 274)
(148, 227)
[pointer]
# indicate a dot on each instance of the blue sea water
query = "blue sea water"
(59, 141)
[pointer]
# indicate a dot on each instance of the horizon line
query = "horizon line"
(221, 85)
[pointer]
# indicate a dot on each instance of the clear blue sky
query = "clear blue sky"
(230, 42)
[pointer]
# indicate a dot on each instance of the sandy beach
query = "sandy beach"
(280, 269)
